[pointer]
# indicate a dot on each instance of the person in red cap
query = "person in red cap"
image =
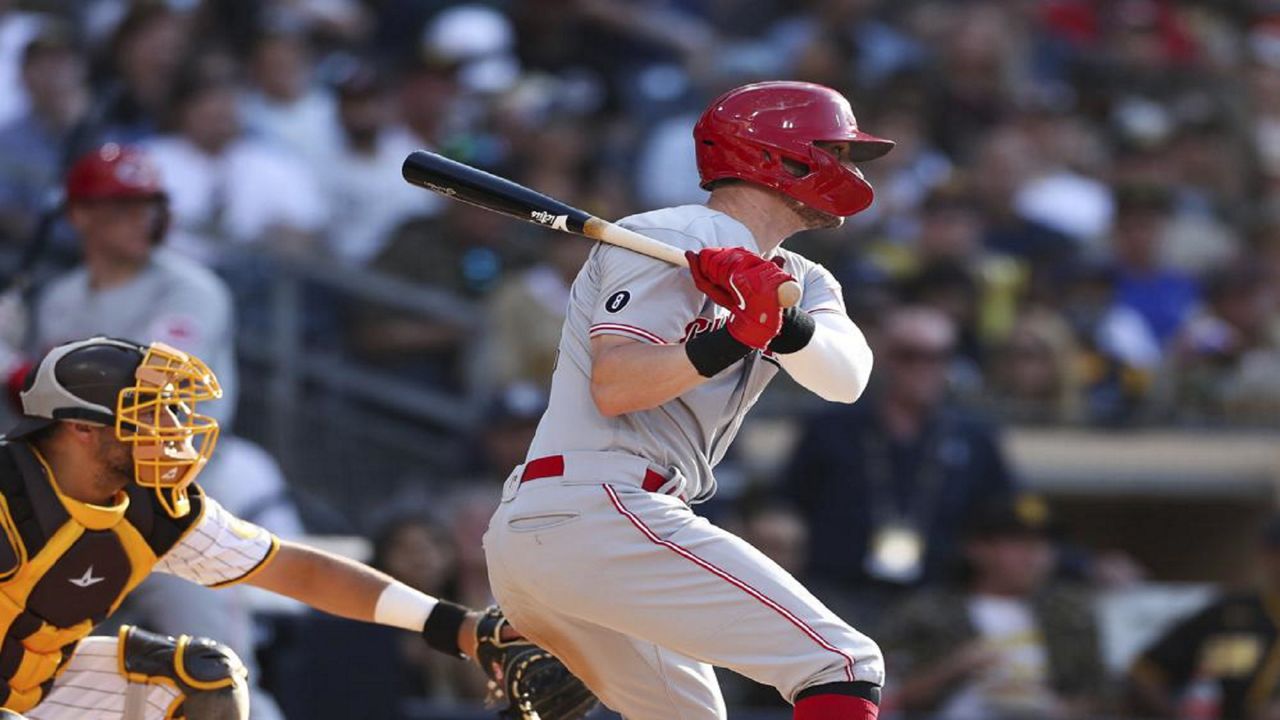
(129, 285)
(595, 551)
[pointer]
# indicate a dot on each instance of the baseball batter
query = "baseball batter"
(594, 552)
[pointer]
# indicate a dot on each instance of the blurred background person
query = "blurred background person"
(144, 57)
(1215, 662)
(284, 106)
(886, 483)
(1035, 376)
(525, 314)
(368, 198)
(1005, 643)
(226, 188)
(130, 284)
(417, 551)
(38, 146)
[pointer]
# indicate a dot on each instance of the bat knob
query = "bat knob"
(789, 294)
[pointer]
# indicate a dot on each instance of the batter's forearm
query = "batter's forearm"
(627, 375)
(836, 363)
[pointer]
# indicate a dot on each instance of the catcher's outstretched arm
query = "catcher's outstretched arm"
(535, 685)
(354, 590)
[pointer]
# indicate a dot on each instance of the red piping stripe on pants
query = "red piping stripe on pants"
(724, 575)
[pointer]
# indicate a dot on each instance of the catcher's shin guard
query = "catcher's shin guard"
(210, 675)
(532, 682)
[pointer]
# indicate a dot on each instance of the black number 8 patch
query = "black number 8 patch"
(617, 301)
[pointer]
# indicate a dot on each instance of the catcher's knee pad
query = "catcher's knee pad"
(212, 678)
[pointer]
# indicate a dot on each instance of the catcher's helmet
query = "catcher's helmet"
(748, 132)
(118, 172)
(147, 393)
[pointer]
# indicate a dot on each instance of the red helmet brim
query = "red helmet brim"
(865, 146)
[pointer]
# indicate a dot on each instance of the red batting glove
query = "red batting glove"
(711, 267)
(747, 286)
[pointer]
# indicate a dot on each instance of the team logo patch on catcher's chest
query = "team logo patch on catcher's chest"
(617, 301)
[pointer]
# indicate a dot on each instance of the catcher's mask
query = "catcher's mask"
(149, 394)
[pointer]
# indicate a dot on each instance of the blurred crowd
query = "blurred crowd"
(1087, 189)
(1079, 226)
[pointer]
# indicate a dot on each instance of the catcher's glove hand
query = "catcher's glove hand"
(532, 682)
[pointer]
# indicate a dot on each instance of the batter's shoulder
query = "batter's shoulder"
(689, 227)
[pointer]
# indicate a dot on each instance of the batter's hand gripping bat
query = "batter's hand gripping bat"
(468, 184)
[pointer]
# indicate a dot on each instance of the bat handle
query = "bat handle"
(605, 231)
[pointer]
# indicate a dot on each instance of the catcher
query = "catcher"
(96, 491)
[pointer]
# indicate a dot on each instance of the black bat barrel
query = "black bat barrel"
(463, 182)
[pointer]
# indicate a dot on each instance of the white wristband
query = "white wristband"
(401, 606)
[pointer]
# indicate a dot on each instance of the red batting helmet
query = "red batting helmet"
(114, 171)
(747, 132)
(119, 172)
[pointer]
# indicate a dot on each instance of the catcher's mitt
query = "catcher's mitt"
(532, 682)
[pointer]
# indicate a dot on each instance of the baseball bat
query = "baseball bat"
(471, 185)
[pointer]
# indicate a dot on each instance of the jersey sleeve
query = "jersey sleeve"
(220, 549)
(822, 292)
(642, 298)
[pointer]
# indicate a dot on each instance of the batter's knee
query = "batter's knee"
(859, 661)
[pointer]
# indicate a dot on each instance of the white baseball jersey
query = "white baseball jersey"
(612, 571)
(619, 292)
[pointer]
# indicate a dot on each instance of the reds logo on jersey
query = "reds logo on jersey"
(700, 325)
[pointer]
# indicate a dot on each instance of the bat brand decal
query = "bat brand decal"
(542, 217)
(617, 301)
(442, 189)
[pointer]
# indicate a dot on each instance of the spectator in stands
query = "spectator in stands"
(1163, 296)
(283, 106)
(428, 102)
(1225, 364)
(1004, 645)
(16, 29)
(464, 252)
(1005, 162)
(506, 430)
(417, 551)
(145, 54)
(1218, 662)
(369, 198)
(36, 147)
(1035, 378)
(885, 484)
(228, 189)
(130, 285)
(469, 510)
(525, 314)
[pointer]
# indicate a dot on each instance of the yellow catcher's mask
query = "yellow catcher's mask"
(171, 440)
(148, 394)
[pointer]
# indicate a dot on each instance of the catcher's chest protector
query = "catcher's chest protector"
(65, 566)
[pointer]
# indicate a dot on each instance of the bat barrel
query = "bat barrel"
(472, 185)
